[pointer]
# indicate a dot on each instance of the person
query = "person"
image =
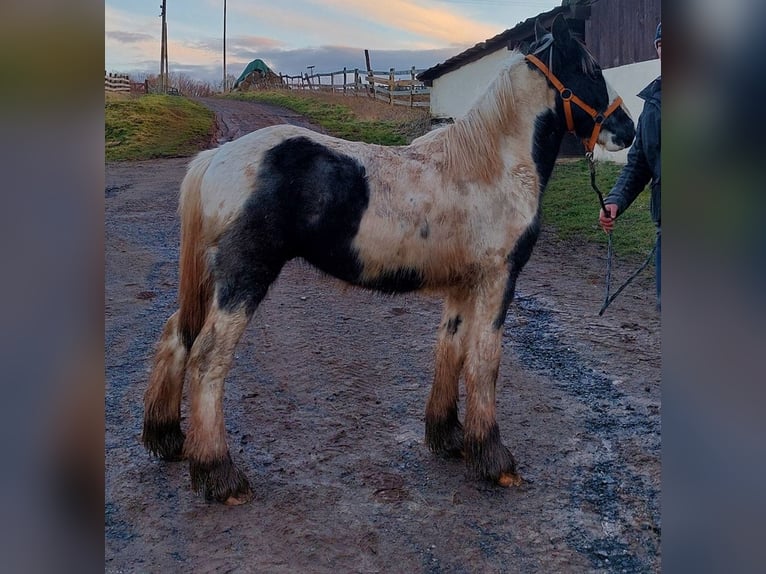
(643, 165)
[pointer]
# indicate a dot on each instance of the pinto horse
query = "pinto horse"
(456, 212)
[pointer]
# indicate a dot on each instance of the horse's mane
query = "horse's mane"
(471, 144)
(588, 62)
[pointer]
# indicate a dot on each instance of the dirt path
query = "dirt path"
(324, 411)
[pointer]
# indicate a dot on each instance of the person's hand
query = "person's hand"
(607, 220)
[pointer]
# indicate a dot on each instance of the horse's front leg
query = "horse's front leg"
(210, 464)
(444, 433)
(485, 453)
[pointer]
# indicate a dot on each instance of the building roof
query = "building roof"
(524, 31)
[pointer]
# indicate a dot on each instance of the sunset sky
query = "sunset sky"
(290, 35)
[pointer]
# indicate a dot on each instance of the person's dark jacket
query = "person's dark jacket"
(643, 164)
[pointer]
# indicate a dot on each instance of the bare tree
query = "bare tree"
(230, 79)
(188, 86)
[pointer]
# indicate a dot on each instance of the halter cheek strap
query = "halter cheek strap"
(568, 98)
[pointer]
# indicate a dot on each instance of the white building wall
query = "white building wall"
(453, 94)
(627, 81)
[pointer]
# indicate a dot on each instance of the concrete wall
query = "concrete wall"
(453, 94)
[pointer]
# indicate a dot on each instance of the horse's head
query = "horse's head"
(590, 108)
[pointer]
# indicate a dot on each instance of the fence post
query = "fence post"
(344, 80)
(412, 87)
(357, 82)
(391, 83)
(370, 79)
(371, 82)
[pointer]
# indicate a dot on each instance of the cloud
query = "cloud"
(254, 42)
(302, 24)
(429, 21)
(128, 37)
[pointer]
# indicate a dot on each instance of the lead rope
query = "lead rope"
(607, 297)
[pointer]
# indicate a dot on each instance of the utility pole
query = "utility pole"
(224, 48)
(163, 87)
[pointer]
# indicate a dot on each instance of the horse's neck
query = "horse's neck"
(501, 128)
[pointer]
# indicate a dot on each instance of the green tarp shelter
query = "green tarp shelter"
(258, 65)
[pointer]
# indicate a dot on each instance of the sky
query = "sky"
(291, 35)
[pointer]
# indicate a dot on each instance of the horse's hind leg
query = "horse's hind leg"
(444, 433)
(162, 401)
(210, 464)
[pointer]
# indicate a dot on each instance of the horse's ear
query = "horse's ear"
(539, 31)
(560, 30)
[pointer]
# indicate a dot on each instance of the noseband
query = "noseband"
(569, 98)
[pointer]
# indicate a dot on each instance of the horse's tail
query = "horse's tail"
(195, 287)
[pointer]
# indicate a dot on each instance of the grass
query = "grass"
(348, 117)
(155, 126)
(571, 207)
(170, 126)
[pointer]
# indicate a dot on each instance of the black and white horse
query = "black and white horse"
(456, 212)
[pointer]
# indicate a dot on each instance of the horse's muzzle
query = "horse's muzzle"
(621, 130)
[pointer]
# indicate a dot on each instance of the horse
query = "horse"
(455, 213)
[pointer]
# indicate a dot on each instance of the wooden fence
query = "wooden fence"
(116, 82)
(123, 83)
(395, 87)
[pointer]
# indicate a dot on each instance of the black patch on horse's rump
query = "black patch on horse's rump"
(250, 255)
(326, 195)
(516, 261)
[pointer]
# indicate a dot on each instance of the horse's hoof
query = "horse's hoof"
(239, 499)
(220, 481)
(509, 479)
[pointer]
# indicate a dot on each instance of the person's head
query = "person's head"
(658, 40)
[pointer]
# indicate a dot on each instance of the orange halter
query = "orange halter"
(568, 98)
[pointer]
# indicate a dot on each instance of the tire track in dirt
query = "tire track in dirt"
(613, 490)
